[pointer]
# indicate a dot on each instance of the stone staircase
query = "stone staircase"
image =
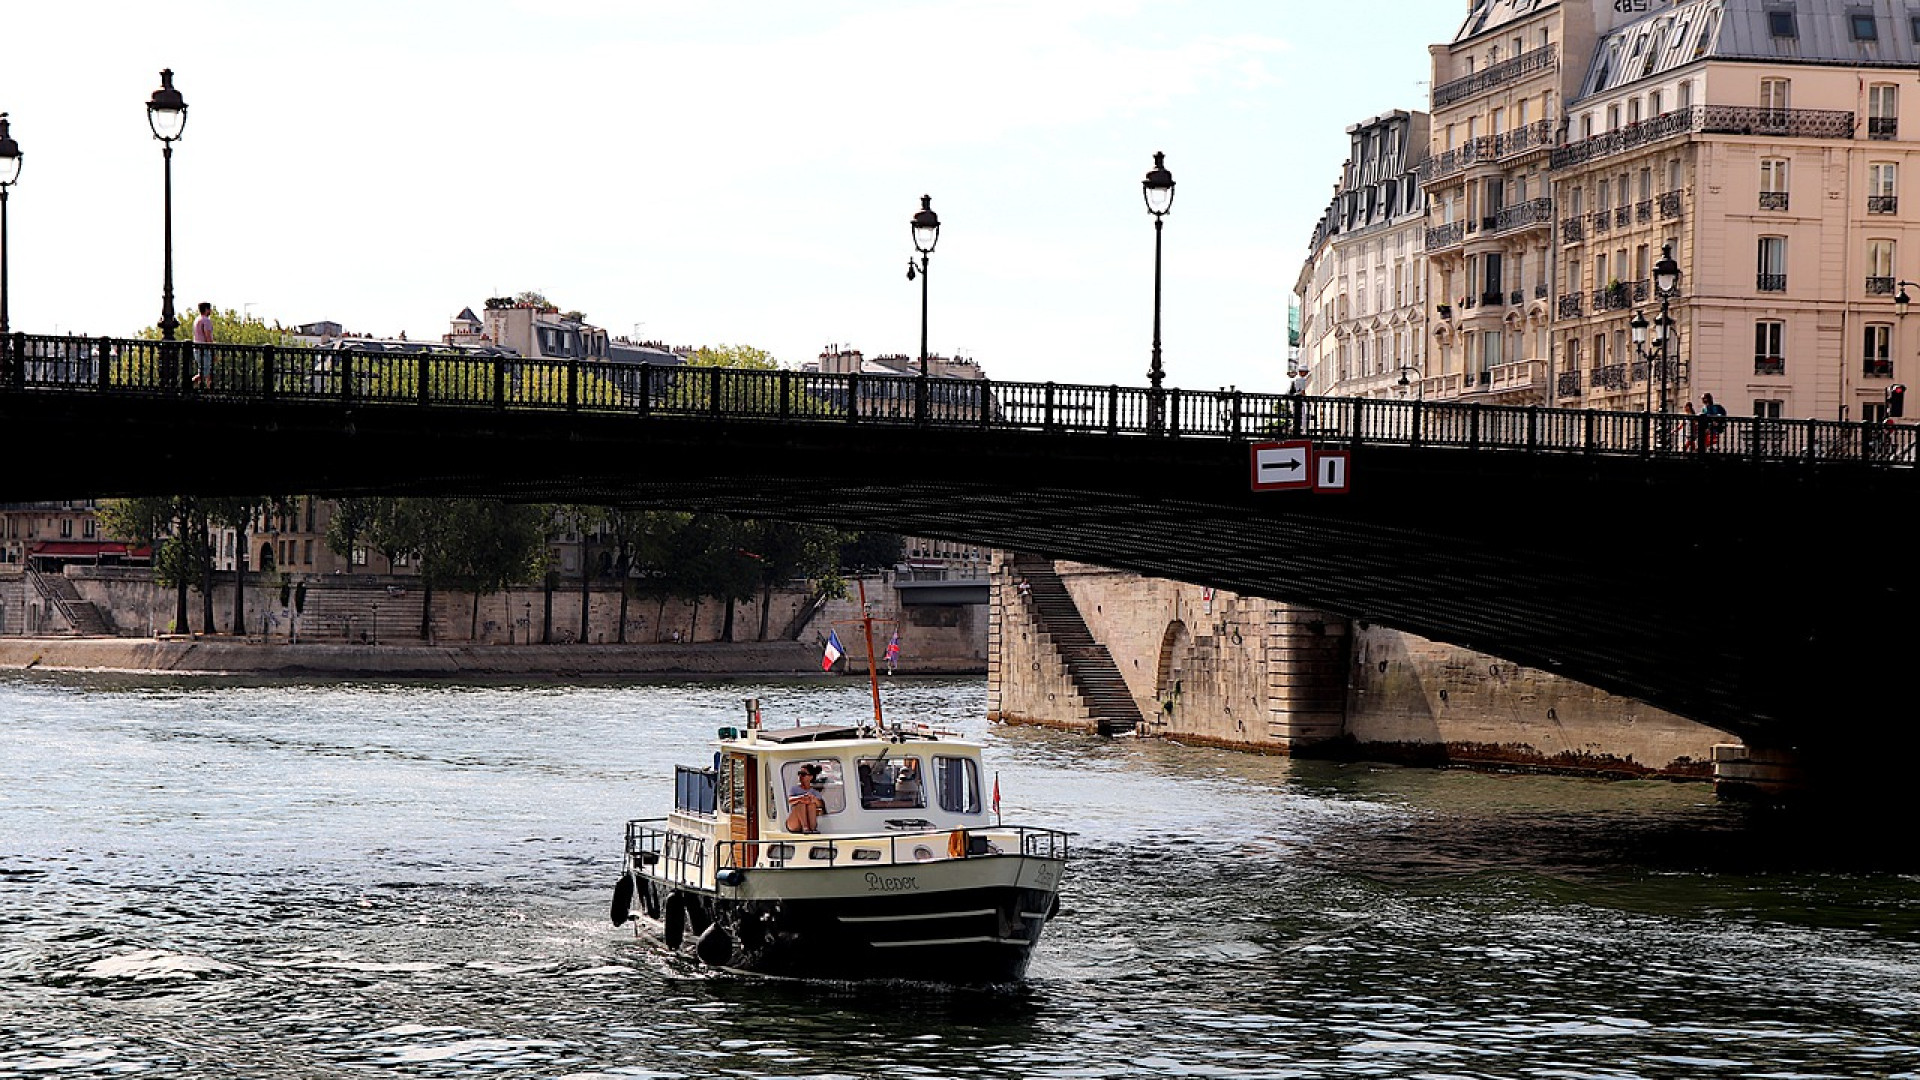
(345, 610)
(60, 595)
(1088, 663)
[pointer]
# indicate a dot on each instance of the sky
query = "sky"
(723, 173)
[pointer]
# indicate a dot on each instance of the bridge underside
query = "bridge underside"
(1754, 598)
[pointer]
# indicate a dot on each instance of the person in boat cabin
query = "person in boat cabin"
(804, 803)
(906, 785)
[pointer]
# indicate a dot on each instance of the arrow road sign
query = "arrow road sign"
(1283, 466)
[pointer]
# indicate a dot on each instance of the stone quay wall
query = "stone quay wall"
(1247, 673)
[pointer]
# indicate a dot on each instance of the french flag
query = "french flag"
(834, 651)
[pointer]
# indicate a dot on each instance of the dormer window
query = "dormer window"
(1863, 26)
(1780, 23)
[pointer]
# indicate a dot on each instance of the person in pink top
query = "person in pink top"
(202, 346)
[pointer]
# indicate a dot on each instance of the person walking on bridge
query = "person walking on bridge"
(203, 347)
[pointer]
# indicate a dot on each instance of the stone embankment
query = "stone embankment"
(182, 656)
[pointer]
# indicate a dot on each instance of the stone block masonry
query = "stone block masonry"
(1246, 673)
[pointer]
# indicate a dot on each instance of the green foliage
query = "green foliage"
(733, 356)
(871, 551)
(229, 328)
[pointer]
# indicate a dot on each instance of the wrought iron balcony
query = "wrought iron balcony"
(1769, 365)
(1500, 74)
(1602, 220)
(1445, 236)
(1878, 367)
(1519, 215)
(1573, 229)
(1773, 200)
(1623, 215)
(1439, 167)
(1540, 290)
(1879, 286)
(1610, 377)
(1770, 282)
(1567, 384)
(1521, 140)
(1569, 307)
(1516, 298)
(1713, 120)
(1883, 127)
(1883, 204)
(1619, 295)
(1669, 204)
(1643, 211)
(1492, 298)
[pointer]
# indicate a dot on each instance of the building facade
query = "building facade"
(1361, 293)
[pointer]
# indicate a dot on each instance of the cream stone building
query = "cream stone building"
(1761, 141)
(1361, 292)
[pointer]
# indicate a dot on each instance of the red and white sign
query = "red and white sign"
(1330, 471)
(1283, 466)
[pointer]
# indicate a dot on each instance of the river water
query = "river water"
(230, 878)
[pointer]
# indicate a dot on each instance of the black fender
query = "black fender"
(698, 917)
(622, 900)
(674, 919)
(715, 946)
(650, 898)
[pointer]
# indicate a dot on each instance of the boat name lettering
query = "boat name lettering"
(882, 883)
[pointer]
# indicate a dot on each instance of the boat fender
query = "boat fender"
(622, 900)
(715, 947)
(957, 844)
(675, 919)
(650, 899)
(698, 917)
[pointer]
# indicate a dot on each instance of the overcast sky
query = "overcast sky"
(707, 173)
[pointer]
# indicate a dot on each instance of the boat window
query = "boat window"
(830, 784)
(958, 781)
(693, 790)
(891, 783)
(733, 786)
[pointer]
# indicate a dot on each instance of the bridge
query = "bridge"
(1750, 581)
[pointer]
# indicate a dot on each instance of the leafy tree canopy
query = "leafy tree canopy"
(229, 327)
(733, 356)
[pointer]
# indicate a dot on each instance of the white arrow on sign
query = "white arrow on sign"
(1282, 466)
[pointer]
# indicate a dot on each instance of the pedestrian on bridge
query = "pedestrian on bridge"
(1713, 418)
(203, 347)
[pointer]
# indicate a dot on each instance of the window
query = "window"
(1877, 352)
(1772, 264)
(1654, 102)
(66, 528)
(957, 780)
(891, 783)
(1780, 23)
(1863, 26)
(1769, 357)
(1686, 94)
(1883, 111)
(827, 781)
(1914, 27)
(1775, 93)
(1773, 183)
(1880, 259)
(1613, 118)
(1769, 408)
(1633, 110)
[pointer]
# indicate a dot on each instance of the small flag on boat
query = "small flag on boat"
(893, 647)
(834, 651)
(996, 795)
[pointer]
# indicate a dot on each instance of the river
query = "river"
(217, 877)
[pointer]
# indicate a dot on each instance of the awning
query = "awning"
(81, 549)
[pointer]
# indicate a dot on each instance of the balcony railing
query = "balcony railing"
(1773, 200)
(1444, 236)
(1535, 136)
(1492, 298)
(1567, 384)
(1602, 220)
(1623, 294)
(1712, 120)
(1883, 204)
(1569, 307)
(1878, 367)
(1879, 286)
(1573, 229)
(1769, 365)
(1500, 74)
(1883, 127)
(1669, 204)
(1643, 211)
(1540, 290)
(1531, 212)
(1611, 377)
(1444, 165)
(1623, 215)
(1770, 282)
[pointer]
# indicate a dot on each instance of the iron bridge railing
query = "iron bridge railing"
(436, 379)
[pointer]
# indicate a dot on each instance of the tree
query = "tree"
(239, 514)
(788, 551)
(733, 356)
(161, 522)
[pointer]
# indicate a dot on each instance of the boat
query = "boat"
(902, 869)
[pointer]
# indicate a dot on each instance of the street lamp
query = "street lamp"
(1157, 189)
(1420, 388)
(1666, 283)
(1900, 302)
(10, 159)
(926, 233)
(167, 116)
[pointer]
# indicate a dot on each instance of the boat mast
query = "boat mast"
(873, 670)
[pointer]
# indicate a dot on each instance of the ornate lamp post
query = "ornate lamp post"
(1666, 283)
(1157, 188)
(167, 116)
(1419, 388)
(926, 233)
(9, 175)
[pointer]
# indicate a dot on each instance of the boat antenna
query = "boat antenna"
(873, 670)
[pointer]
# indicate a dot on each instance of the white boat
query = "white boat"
(904, 879)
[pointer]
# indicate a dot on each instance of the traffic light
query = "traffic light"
(1897, 399)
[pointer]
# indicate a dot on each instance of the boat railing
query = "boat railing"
(676, 857)
(893, 848)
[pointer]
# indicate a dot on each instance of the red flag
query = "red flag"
(996, 794)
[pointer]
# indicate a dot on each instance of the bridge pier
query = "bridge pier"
(1744, 773)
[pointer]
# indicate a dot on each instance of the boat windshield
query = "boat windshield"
(891, 783)
(828, 781)
(957, 779)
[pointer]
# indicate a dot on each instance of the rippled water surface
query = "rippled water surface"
(223, 878)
